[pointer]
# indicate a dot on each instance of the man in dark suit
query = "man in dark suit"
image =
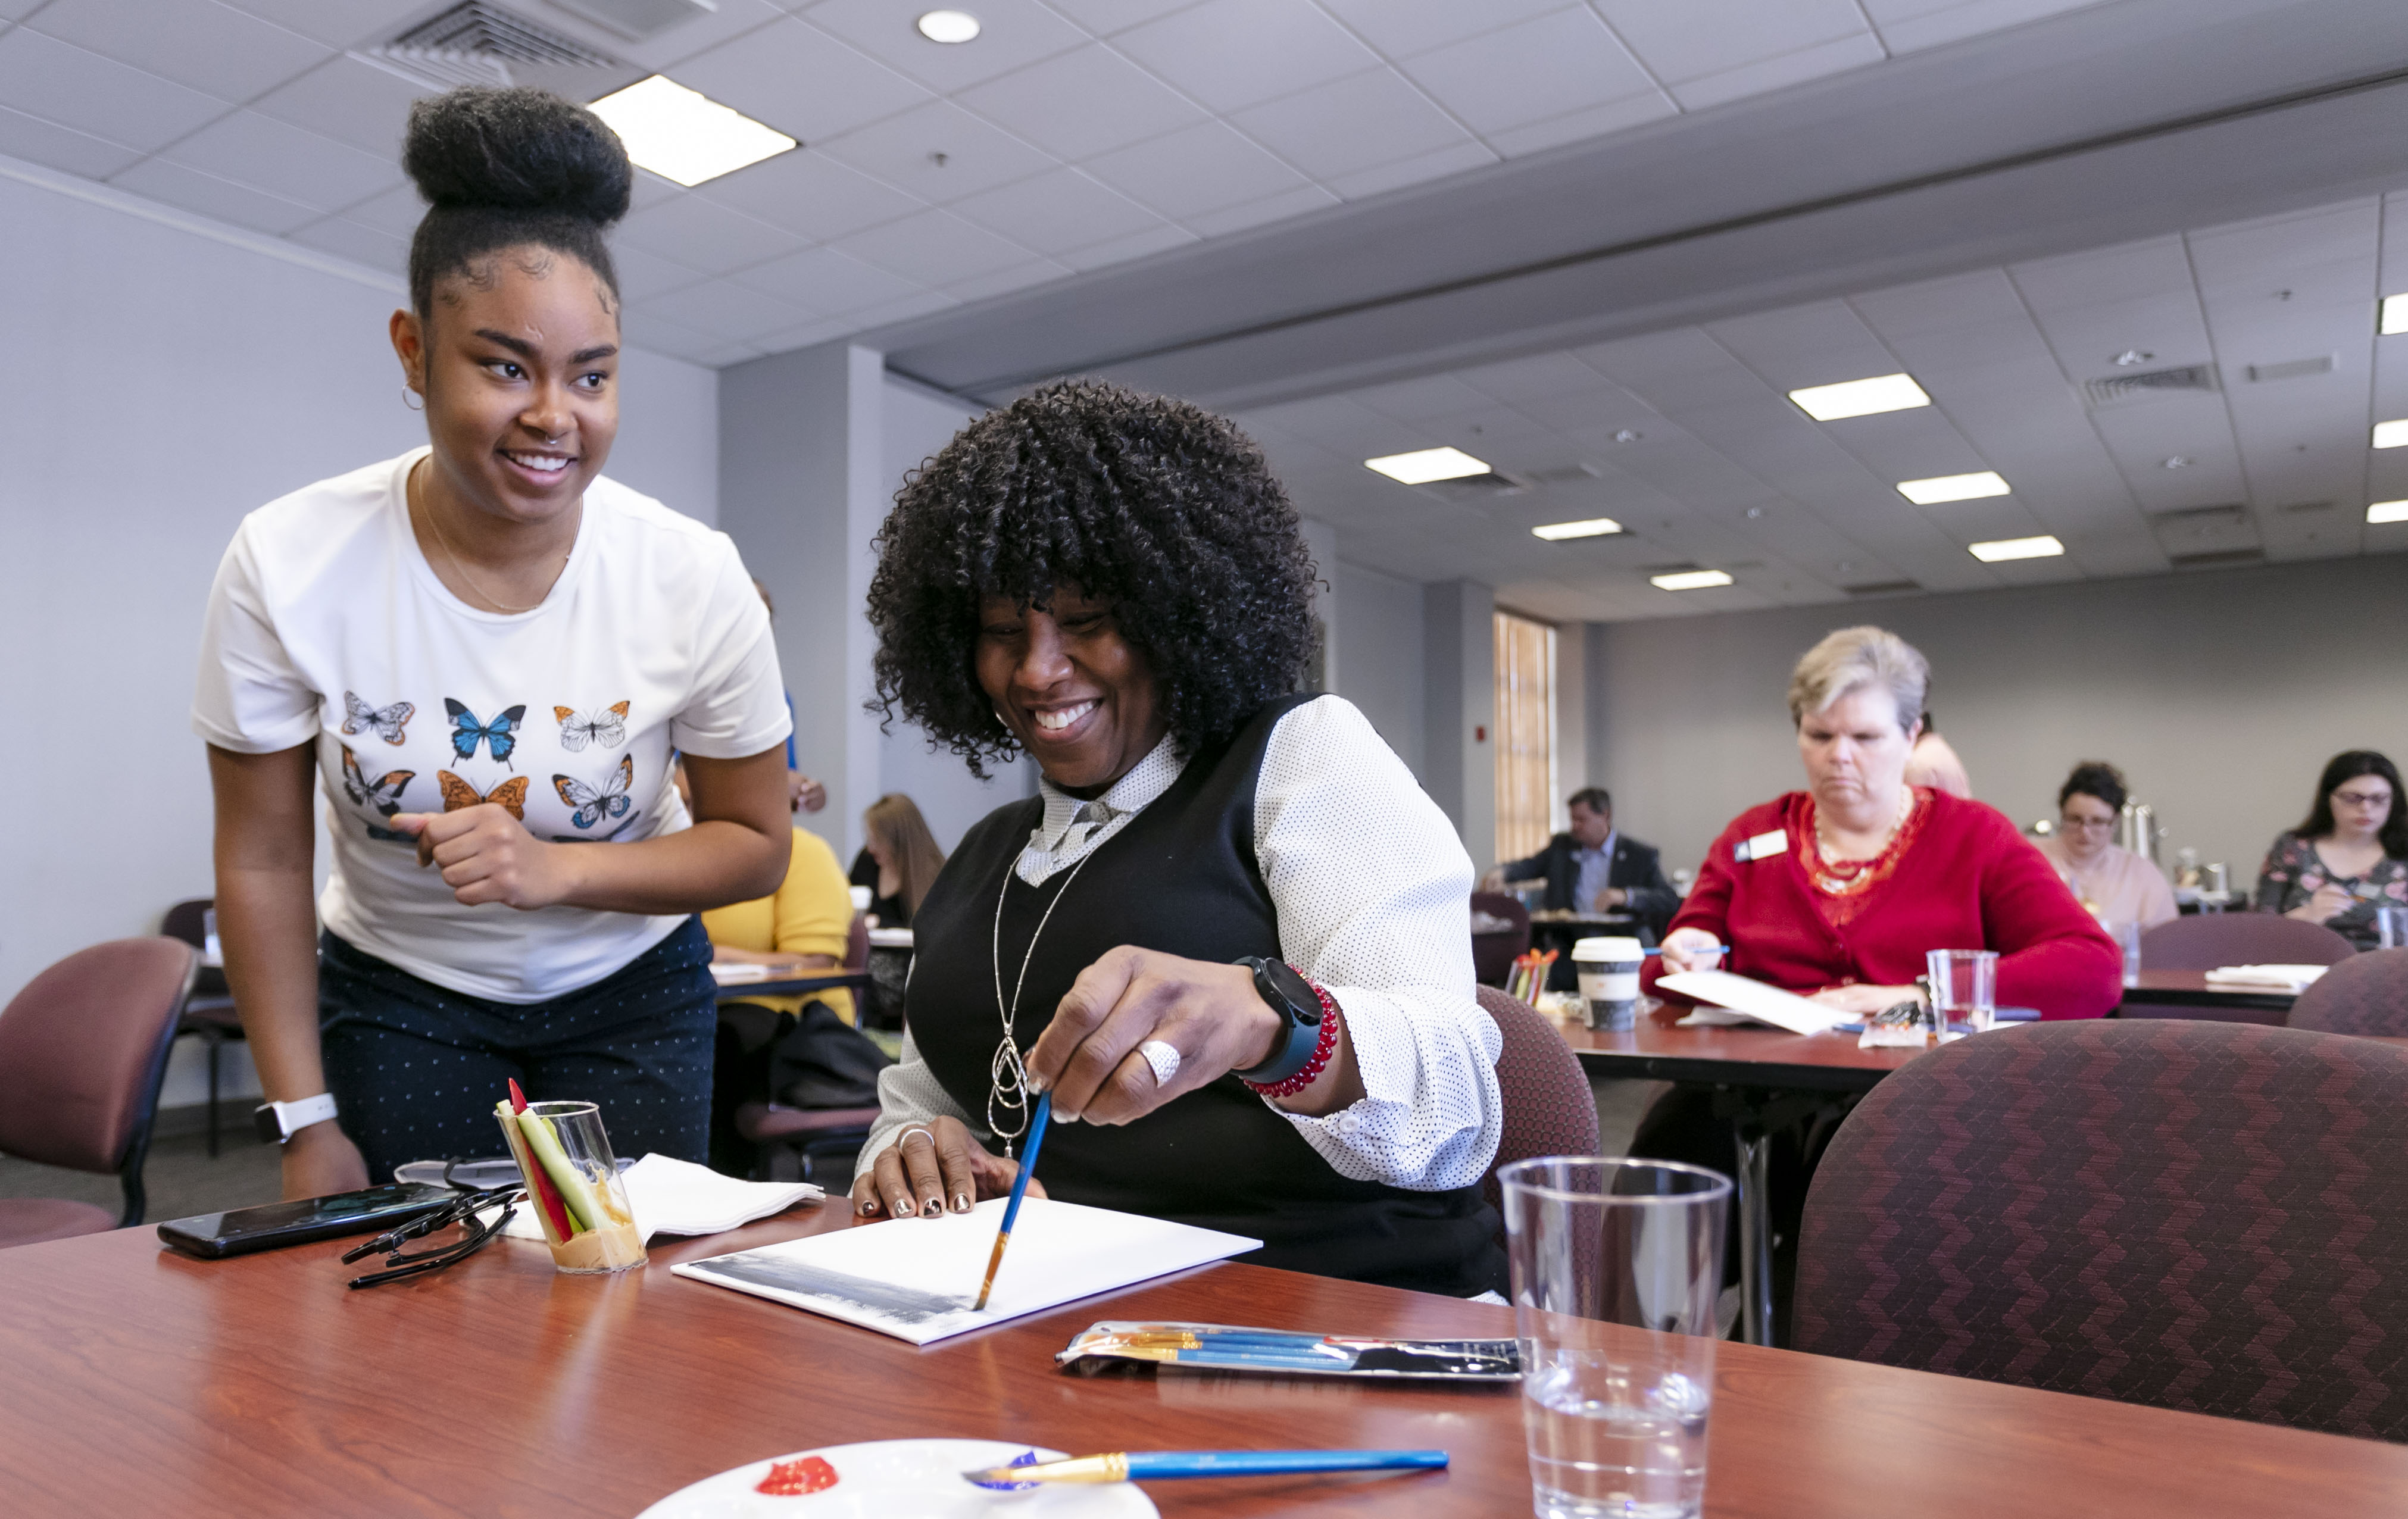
(1591, 869)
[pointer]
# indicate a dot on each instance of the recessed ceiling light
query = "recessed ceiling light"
(1861, 397)
(2387, 511)
(2133, 356)
(1423, 466)
(1595, 527)
(1689, 580)
(685, 137)
(1627, 435)
(2391, 435)
(947, 25)
(2395, 315)
(2177, 462)
(1930, 493)
(2041, 547)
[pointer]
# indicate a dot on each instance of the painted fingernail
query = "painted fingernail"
(868, 1206)
(961, 1202)
(931, 1208)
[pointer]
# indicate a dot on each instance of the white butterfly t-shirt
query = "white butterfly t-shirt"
(327, 624)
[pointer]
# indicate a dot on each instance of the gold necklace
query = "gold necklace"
(419, 500)
(1823, 838)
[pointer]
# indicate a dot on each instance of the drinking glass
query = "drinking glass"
(2390, 925)
(2129, 936)
(1964, 985)
(1615, 1418)
(569, 1147)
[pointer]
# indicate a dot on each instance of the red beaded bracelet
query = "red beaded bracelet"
(1322, 1050)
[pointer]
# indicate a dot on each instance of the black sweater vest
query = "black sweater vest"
(1180, 878)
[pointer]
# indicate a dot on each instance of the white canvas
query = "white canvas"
(1752, 1000)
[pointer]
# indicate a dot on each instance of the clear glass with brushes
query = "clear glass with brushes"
(573, 1185)
(1615, 1418)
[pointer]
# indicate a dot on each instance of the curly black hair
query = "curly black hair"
(1150, 504)
(502, 168)
(2095, 778)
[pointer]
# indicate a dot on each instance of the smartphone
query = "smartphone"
(272, 1225)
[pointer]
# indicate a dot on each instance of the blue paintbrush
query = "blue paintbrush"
(1037, 1123)
(1155, 1465)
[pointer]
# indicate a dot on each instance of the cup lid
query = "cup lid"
(1608, 948)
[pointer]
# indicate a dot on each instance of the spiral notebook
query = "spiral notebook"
(915, 1278)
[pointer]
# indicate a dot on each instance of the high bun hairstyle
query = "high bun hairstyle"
(2097, 778)
(501, 168)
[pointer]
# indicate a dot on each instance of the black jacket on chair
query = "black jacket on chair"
(1634, 867)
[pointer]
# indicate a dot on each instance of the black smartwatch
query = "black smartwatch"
(1293, 999)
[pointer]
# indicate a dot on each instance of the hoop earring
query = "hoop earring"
(406, 393)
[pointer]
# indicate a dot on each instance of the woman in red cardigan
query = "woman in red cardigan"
(1837, 891)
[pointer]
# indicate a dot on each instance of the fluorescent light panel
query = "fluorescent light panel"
(1861, 397)
(2395, 315)
(1940, 488)
(2043, 547)
(682, 135)
(2391, 435)
(1594, 527)
(2387, 511)
(1423, 466)
(1689, 580)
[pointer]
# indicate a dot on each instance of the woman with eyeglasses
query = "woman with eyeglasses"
(2348, 856)
(2114, 884)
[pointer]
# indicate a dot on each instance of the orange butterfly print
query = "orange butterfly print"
(510, 796)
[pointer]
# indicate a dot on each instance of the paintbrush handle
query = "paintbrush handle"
(1157, 1465)
(1039, 1119)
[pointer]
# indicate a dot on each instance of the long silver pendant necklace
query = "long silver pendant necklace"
(1007, 1074)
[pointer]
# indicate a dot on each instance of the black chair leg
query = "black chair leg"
(216, 1041)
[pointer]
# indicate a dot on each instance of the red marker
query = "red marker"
(538, 1186)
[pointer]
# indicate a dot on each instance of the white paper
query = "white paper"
(669, 1196)
(727, 972)
(915, 1278)
(890, 939)
(2286, 978)
(1752, 999)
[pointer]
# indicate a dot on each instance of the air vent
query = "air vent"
(2302, 508)
(1567, 474)
(2203, 518)
(2215, 557)
(475, 43)
(1684, 568)
(2291, 369)
(1483, 486)
(1883, 588)
(2111, 390)
(637, 19)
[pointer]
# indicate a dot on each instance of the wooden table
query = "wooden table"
(139, 1381)
(2153, 989)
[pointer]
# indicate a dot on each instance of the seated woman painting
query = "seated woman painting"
(1248, 1017)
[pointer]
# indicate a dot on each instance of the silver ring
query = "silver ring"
(1163, 1058)
(910, 1130)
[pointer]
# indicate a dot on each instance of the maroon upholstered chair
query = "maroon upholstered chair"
(82, 1050)
(1493, 954)
(2366, 994)
(2201, 1216)
(210, 1012)
(2209, 939)
(1549, 1107)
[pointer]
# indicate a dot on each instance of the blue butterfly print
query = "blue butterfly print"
(596, 838)
(593, 804)
(499, 736)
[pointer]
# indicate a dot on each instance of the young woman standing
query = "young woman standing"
(491, 653)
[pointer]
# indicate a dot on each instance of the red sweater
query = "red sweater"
(1967, 880)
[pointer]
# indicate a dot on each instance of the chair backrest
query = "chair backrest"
(183, 920)
(2366, 994)
(1493, 954)
(2201, 1216)
(2209, 939)
(856, 943)
(83, 1048)
(1549, 1107)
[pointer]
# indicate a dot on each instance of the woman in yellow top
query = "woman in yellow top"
(800, 929)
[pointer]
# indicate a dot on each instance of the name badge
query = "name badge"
(1762, 847)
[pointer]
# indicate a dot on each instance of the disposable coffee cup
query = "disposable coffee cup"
(1609, 982)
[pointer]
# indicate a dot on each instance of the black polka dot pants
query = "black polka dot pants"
(416, 1068)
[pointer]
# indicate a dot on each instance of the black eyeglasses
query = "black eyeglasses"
(476, 1232)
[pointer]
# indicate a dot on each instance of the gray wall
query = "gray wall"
(2219, 694)
(163, 376)
(1380, 654)
(1459, 752)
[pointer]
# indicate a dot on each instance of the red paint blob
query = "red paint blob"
(793, 1479)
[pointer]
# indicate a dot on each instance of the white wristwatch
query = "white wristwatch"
(280, 1121)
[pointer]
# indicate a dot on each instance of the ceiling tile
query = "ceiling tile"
(706, 236)
(721, 309)
(643, 274)
(1700, 37)
(210, 195)
(348, 101)
(2125, 272)
(1206, 167)
(1589, 121)
(1768, 75)
(1084, 103)
(904, 309)
(1912, 25)
(663, 336)
(1930, 306)
(1136, 245)
(1234, 53)
(810, 194)
(197, 43)
(1353, 124)
(1004, 282)
(57, 147)
(1420, 169)
(1059, 211)
(43, 77)
(668, 52)
(339, 23)
(1011, 33)
(397, 211)
(267, 154)
(825, 280)
(1401, 28)
(1106, 17)
(1285, 206)
(903, 150)
(934, 248)
(1525, 74)
(360, 243)
(1820, 344)
(800, 81)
